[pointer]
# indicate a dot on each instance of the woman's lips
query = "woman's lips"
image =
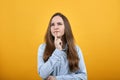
(56, 32)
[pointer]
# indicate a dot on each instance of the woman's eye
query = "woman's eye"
(52, 24)
(59, 23)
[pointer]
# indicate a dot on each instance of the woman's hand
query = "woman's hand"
(51, 78)
(58, 42)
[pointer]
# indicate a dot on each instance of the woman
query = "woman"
(59, 58)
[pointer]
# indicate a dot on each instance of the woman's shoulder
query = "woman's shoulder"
(41, 49)
(42, 46)
(78, 49)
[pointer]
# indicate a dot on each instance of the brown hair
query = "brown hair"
(72, 56)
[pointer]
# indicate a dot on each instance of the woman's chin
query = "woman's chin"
(58, 36)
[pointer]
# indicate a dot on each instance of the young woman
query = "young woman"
(59, 58)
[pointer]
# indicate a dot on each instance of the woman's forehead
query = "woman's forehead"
(57, 19)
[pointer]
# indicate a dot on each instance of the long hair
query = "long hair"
(72, 56)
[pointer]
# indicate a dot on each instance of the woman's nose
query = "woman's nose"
(56, 27)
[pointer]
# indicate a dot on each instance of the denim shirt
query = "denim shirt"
(57, 65)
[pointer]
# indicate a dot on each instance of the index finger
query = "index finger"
(55, 35)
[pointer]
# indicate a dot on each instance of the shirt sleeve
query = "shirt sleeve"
(46, 68)
(81, 74)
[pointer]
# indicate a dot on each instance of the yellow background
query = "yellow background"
(95, 24)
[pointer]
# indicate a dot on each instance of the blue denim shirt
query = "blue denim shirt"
(57, 65)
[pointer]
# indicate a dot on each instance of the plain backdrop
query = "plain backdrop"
(95, 25)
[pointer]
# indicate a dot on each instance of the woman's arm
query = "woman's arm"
(81, 74)
(46, 68)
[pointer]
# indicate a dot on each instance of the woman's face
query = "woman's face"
(57, 26)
